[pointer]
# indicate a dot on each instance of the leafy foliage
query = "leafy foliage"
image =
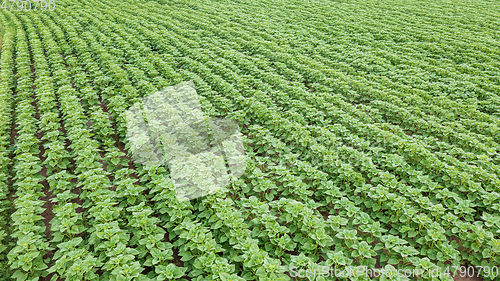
(371, 131)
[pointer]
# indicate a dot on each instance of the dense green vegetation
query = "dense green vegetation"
(371, 130)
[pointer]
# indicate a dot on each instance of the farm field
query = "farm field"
(371, 131)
